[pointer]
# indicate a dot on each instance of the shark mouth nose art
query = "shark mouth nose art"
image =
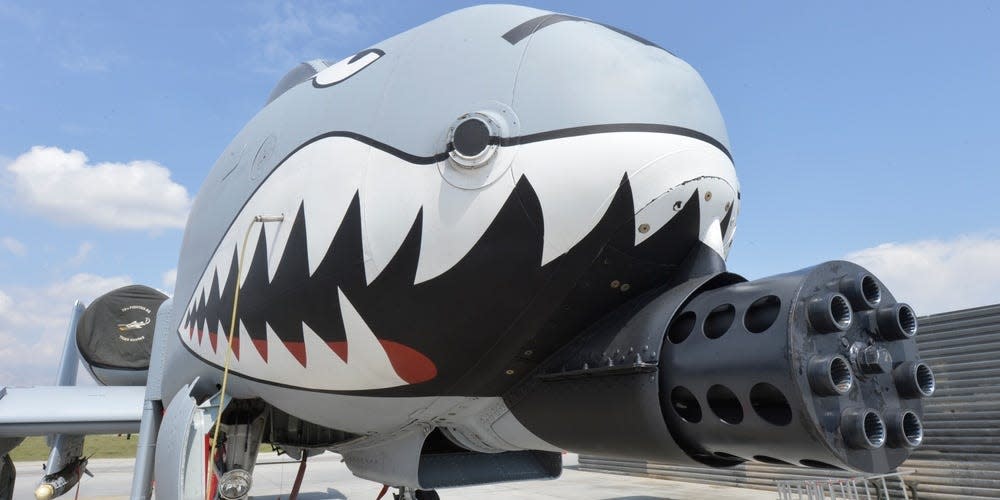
(365, 282)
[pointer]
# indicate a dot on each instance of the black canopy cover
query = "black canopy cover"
(116, 330)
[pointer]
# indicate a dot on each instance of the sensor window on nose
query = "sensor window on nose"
(474, 139)
(471, 137)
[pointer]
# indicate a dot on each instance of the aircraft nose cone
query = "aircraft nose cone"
(579, 73)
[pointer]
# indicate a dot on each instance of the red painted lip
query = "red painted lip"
(410, 364)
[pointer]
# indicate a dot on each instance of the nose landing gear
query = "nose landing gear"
(412, 494)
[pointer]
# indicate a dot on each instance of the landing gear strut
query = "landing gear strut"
(7, 474)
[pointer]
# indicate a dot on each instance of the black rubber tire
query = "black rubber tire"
(7, 476)
(427, 495)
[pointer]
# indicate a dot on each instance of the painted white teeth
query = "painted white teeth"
(276, 235)
(391, 197)
(250, 360)
(365, 354)
(326, 176)
(454, 221)
(570, 214)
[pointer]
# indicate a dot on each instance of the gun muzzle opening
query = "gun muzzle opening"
(863, 290)
(925, 379)
(830, 313)
(914, 380)
(874, 429)
(897, 322)
(871, 290)
(905, 430)
(831, 376)
(863, 429)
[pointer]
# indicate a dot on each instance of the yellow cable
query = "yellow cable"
(229, 348)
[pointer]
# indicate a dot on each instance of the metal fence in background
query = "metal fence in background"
(960, 456)
(878, 487)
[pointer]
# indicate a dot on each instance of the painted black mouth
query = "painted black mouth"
(470, 321)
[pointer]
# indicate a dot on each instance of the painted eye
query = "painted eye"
(474, 139)
(346, 68)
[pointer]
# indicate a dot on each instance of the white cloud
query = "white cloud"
(169, 280)
(33, 323)
(64, 187)
(81, 254)
(14, 246)
(85, 287)
(936, 276)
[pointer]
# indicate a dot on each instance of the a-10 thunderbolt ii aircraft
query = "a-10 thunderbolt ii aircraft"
(457, 253)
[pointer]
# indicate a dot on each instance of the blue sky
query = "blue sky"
(859, 129)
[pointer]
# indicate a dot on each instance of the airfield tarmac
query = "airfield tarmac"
(327, 478)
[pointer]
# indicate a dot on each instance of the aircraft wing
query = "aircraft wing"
(37, 411)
